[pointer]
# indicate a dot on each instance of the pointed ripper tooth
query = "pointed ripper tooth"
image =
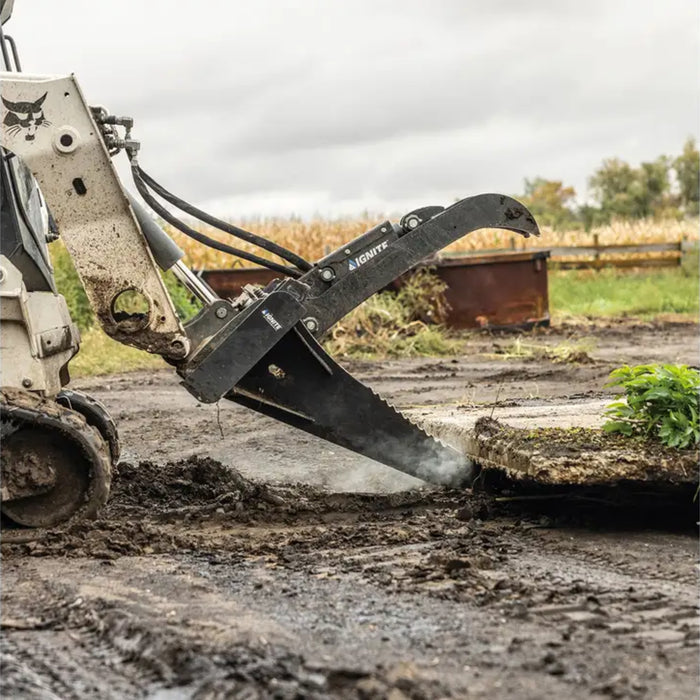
(310, 391)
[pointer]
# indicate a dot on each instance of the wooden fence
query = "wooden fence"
(598, 256)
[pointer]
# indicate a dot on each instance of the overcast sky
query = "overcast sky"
(275, 107)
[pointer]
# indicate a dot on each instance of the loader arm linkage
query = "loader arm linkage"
(260, 350)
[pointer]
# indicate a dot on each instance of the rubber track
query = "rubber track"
(18, 408)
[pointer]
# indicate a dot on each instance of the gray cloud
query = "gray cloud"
(280, 106)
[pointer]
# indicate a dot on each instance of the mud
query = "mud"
(204, 578)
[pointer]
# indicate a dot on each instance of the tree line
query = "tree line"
(662, 188)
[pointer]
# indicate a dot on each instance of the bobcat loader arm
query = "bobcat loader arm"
(260, 350)
(47, 123)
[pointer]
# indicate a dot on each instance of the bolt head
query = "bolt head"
(221, 312)
(27, 382)
(311, 324)
(327, 274)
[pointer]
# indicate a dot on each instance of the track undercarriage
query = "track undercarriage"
(56, 463)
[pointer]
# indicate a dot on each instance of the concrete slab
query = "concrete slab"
(533, 443)
(448, 422)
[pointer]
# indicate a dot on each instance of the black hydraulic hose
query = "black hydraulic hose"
(202, 238)
(236, 231)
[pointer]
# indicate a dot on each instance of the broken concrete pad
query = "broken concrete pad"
(563, 456)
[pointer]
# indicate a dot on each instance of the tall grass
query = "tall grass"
(99, 354)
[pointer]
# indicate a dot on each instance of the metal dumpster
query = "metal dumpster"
(506, 290)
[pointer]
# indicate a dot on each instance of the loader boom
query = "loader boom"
(68, 156)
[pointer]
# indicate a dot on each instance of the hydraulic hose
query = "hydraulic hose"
(200, 237)
(236, 231)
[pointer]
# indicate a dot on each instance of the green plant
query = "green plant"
(657, 401)
(185, 304)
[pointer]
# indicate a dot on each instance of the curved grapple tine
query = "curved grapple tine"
(375, 259)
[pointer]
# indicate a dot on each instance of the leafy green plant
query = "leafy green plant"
(657, 401)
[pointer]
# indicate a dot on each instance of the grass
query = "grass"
(568, 351)
(616, 293)
(99, 354)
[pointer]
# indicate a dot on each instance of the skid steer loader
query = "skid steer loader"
(260, 350)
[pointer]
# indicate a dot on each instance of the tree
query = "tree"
(687, 167)
(550, 202)
(632, 193)
(610, 186)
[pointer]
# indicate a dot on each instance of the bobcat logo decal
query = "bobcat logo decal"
(25, 116)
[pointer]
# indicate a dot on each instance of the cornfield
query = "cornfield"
(314, 239)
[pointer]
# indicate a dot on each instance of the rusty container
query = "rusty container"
(229, 283)
(507, 290)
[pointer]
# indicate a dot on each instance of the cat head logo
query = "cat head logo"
(25, 116)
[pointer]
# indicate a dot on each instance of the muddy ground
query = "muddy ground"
(213, 573)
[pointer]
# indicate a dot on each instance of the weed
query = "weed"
(657, 401)
(565, 352)
(397, 325)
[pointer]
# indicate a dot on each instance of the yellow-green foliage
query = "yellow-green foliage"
(404, 324)
(69, 285)
(99, 354)
(568, 351)
(313, 239)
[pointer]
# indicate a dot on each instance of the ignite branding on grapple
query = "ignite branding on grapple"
(267, 315)
(367, 255)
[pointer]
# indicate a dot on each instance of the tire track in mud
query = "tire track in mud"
(198, 580)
